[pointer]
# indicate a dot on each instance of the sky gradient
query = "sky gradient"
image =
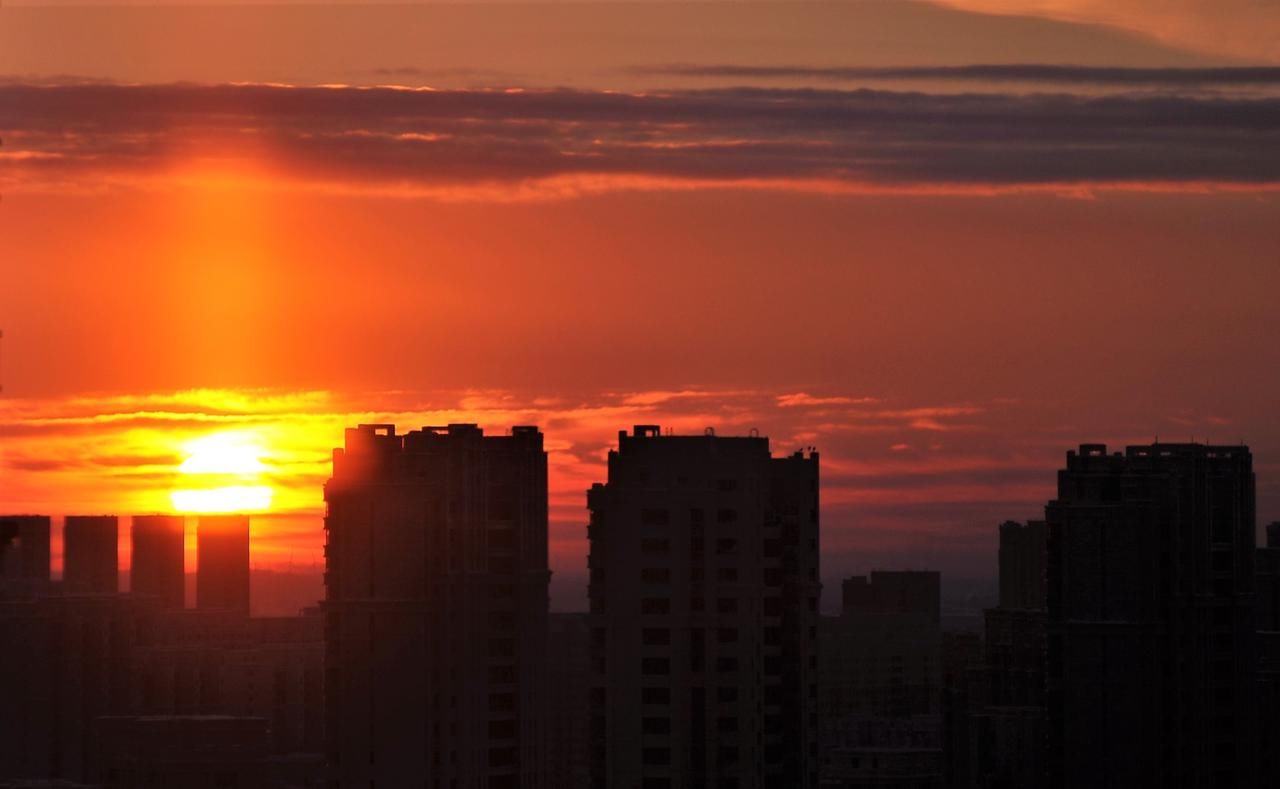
(942, 246)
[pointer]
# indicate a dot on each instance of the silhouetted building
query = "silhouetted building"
(893, 592)
(1151, 623)
(436, 608)
(90, 554)
(24, 554)
(222, 563)
(65, 661)
(997, 719)
(1022, 565)
(1268, 693)
(187, 751)
(880, 683)
(963, 689)
(158, 554)
(704, 615)
(569, 676)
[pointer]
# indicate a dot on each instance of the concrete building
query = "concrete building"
(24, 555)
(159, 552)
(1151, 621)
(222, 563)
(436, 608)
(90, 554)
(704, 615)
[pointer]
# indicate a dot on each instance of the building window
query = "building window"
(655, 666)
(656, 725)
(655, 545)
(655, 575)
(650, 516)
(655, 695)
(727, 605)
(655, 605)
(656, 636)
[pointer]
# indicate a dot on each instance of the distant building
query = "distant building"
(222, 563)
(893, 592)
(997, 720)
(569, 677)
(90, 563)
(704, 615)
(24, 554)
(158, 555)
(1023, 551)
(436, 608)
(1151, 622)
(880, 690)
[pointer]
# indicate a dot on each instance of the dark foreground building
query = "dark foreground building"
(222, 563)
(704, 614)
(24, 555)
(1151, 624)
(436, 608)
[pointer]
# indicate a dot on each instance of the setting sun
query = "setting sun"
(225, 469)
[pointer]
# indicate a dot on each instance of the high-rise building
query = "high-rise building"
(996, 718)
(704, 615)
(436, 608)
(222, 563)
(90, 563)
(1151, 624)
(158, 553)
(880, 683)
(24, 554)
(1268, 693)
(1022, 565)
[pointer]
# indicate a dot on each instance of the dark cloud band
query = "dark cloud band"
(377, 136)
(1261, 76)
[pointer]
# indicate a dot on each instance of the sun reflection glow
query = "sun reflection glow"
(225, 470)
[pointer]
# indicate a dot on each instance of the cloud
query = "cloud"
(1041, 73)
(547, 143)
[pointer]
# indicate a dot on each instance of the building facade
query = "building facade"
(90, 558)
(436, 608)
(157, 564)
(222, 563)
(1151, 622)
(704, 595)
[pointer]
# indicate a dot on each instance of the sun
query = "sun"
(225, 471)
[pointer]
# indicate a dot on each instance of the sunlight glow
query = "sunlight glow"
(223, 453)
(225, 470)
(232, 498)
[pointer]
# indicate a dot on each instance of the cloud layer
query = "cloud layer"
(401, 139)
(1220, 76)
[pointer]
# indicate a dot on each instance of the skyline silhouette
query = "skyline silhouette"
(434, 629)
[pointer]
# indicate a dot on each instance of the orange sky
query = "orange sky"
(943, 289)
